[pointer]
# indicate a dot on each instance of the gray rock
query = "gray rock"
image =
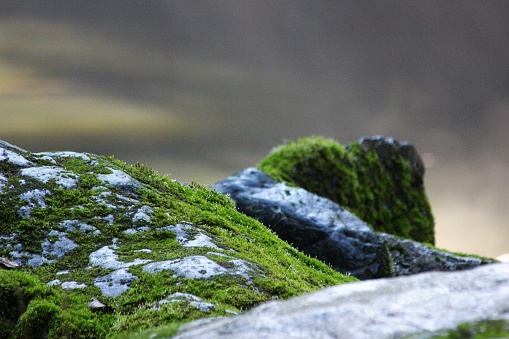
(115, 283)
(70, 285)
(121, 180)
(414, 306)
(322, 229)
(200, 267)
(315, 225)
(34, 198)
(106, 257)
(188, 298)
(47, 173)
(13, 157)
(411, 257)
(185, 237)
(389, 148)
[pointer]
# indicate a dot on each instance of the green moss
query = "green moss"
(34, 309)
(30, 309)
(483, 329)
(485, 260)
(165, 331)
(385, 195)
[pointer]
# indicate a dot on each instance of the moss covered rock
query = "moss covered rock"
(378, 179)
(151, 251)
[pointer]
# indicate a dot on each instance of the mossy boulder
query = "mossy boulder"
(102, 248)
(378, 179)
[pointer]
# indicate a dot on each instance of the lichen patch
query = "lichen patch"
(14, 158)
(106, 257)
(47, 173)
(200, 267)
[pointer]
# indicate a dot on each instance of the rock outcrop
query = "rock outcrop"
(91, 247)
(378, 179)
(428, 305)
(94, 247)
(321, 228)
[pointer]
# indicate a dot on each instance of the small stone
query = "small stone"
(6, 263)
(95, 304)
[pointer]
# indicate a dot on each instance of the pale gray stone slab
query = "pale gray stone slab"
(383, 308)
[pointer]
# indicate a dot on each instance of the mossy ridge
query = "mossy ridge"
(390, 201)
(287, 272)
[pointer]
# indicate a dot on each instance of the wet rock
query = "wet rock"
(419, 306)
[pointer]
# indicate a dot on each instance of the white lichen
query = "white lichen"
(46, 173)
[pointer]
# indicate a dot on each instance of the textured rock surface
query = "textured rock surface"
(322, 229)
(94, 247)
(420, 306)
(151, 250)
(410, 257)
(378, 179)
(315, 225)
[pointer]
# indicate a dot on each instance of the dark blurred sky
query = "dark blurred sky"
(201, 89)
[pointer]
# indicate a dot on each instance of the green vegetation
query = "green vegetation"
(391, 201)
(483, 329)
(31, 308)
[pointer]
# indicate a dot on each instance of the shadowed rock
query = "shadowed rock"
(315, 225)
(325, 230)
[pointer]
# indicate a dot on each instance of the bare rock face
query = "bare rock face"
(315, 225)
(419, 306)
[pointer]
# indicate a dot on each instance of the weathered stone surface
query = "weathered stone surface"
(315, 225)
(322, 229)
(418, 306)
(411, 257)
(378, 179)
(152, 250)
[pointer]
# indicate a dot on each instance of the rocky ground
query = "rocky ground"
(93, 247)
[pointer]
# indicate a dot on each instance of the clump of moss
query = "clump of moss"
(476, 330)
(379, 180)
(31, 309)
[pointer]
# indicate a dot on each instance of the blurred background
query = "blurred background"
(202, 89)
